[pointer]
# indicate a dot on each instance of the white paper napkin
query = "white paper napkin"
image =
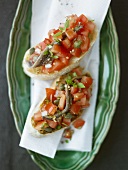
(46, 15)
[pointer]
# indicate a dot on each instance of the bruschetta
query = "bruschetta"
(62, 50)
(63, 104)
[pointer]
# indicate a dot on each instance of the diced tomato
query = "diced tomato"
(62, 102)
(75, 109)
(86, 105)
(39, 125)
(47, 41)
(87, 81)
(82, 18)
(51, 108)
(52, 124)
(74, 90)
(42, 45)
(71, 34)
(64, 60)
(90, 26)
(56, 48)
(66, 43)
(78, 71)
(66, 121)
(50, 92)
(73, 21)
(78, 123)
(87, 92)
(85, 44)
(82, 101)
(77, 96)
(85, 32)
(38, 116)
(67, 133)
(57, 65)
(76, 52)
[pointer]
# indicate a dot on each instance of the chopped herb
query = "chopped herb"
(55, 56)
(56, 102)
(68, 116)
(61, 28)
(51, 54)
(74, 74)
(46, 52)
(49, 46)
(67, 141)
(92, 20)
(77, 44)
(57, 34)
(61, 87)
(69, 81)
(48, 129)
(57, 41)
(57, 82)
(46, 101)
(66, 25)
(58, 127)
(77, 28)
(81, 85)
(75, 85)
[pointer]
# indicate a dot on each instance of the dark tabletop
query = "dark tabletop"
(113, 154)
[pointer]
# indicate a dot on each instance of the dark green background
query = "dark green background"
(113, 154)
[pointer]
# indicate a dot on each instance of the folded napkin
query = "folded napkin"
(47, 15)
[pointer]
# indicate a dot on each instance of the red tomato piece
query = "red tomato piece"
(67, 133)
(57, 65)
(50, 92)
(47, 41)
(75, 109)
(78, 71)
(40, 125)
(85, 44)
(51, 108)
(85, 32)
(82, 18)
(56, 48)
(87, 92)
(42, 45)
(52, 124)
(76, 52)
(78, 123)
(71, 34)
(74, 90)
(62, 102)
(90, 26)
(38, 116)
(77, 96)
(73, 21)
(66, 121)
(87, 81)
(64, 60)
(82, 101)
(66, 43)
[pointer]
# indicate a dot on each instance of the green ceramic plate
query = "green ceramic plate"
(19, 88)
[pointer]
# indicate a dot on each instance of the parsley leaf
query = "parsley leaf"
(66, 25)
(57, 34)
(81, 85)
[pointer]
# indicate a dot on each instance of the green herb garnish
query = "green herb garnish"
(77, 44)
(57, 34)
(55, 56)
(81, 85)
(67, 141)
(66, 25)
(46, 52)
(61, 28)
(58, 127)
(74, 74)
(77, 28)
